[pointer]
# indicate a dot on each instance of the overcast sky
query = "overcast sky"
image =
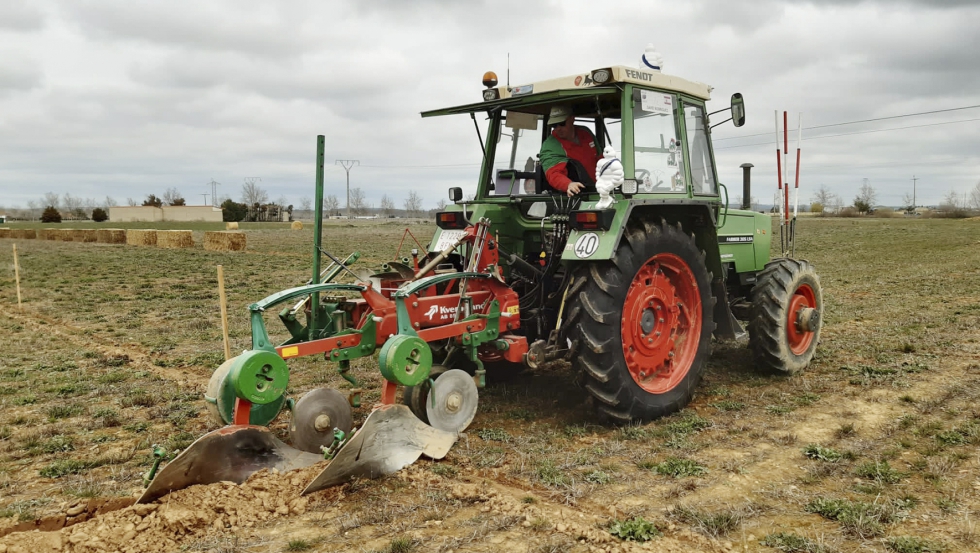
(123, 99)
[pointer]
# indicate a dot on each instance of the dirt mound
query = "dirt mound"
(183, 515)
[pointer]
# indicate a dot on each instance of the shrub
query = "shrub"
(152, 200)
(51, 215)
(99, 215)
(232, 211)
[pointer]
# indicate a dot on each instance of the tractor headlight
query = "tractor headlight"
(490, 94)
(601, 76)
(630, 186)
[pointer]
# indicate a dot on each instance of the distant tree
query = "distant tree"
(232, 211)
(836, 203)
(331, 205)
(51, 199)
(908, 203)
(816, 207)
(252, 194)
(413, 204)
(289, 210)
(131, 202)
(74, 206)
(305, 204)
(172, 197)
(108, 202)
(866, 197)
(153, 201)
(441, 205)
(823, 196)
(358, 203)
(99, 215)
(387, 205)
(34, 209)
(974, 199)
(51, 215)
(953, 205)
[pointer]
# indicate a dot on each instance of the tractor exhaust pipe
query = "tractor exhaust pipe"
(746, 186)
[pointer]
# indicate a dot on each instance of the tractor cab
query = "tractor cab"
(656, 123)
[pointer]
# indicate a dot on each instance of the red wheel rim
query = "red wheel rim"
(661, 324)
(799, 340)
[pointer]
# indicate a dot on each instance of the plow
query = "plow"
(627, 281)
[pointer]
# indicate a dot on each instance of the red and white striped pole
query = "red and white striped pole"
(799, 140)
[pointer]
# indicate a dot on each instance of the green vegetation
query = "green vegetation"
(634, 529)
(679, 468)
(792, 543)
(814, 451)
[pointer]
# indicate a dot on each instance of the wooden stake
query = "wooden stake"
(17, 275)
(224, 311)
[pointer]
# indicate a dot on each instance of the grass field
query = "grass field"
(873, 448)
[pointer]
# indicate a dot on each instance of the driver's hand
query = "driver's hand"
(575, 187)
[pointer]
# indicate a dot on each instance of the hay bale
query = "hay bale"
(48, 234)
(110, 236)
(23, 233)
(84, 235)
(231, 226)
(65, 234)
(144, 237)
(175, 239)
(224, 241)
(4, 232)
(297, 225)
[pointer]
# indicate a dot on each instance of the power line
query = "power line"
(856, 122)
(769, 142)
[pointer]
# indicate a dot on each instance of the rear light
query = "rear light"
(450, 220)
(600, 219)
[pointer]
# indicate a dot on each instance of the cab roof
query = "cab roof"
(596, 82)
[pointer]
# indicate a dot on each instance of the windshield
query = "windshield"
(517, 149)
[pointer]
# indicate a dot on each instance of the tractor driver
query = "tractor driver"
(570, 154)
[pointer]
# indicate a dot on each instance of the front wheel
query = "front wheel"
(642, 323)
(787, 306)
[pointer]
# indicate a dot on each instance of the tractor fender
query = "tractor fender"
(600, 245)
(695, 216)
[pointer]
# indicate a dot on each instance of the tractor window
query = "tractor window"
(657, 153)
(702, 172)
(516, 155)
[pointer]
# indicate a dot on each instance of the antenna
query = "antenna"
(508, 68)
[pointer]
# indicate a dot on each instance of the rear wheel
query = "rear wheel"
(787, 306)
(642, 323)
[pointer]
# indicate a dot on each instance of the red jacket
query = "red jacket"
(556, 152)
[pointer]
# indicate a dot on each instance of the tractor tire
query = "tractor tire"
(786, 292)
(641, 323)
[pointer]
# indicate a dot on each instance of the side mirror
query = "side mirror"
(738, 110)
(455, 194)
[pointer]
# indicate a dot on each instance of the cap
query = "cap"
(559, 114)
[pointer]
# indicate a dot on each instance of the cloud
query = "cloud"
(20, 16)
(138, 97)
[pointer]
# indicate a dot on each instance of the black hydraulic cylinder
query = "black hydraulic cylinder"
(747, 186)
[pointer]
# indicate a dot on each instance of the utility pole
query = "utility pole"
(914, 178)
(214, 190)
(205, 198)
(347, 164)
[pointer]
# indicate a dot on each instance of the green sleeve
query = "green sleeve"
(552, 153)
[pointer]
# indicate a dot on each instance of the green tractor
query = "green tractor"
(632, 293)
(629, 280)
